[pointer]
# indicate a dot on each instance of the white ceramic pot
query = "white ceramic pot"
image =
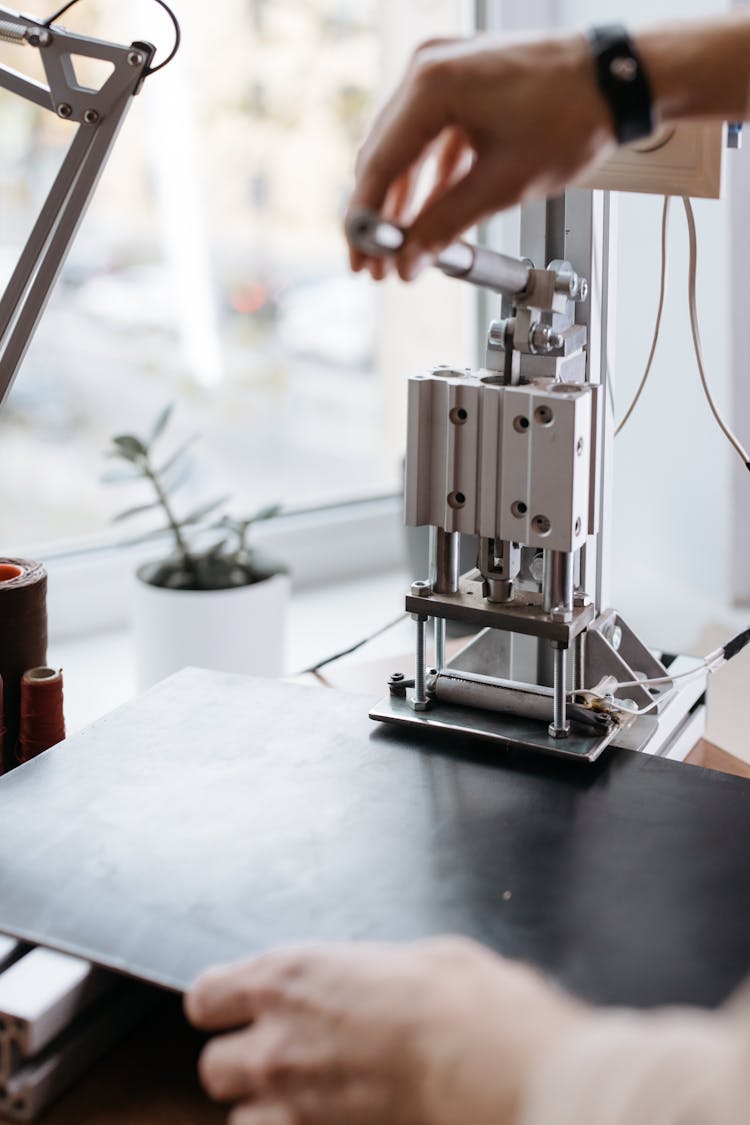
(237, 630)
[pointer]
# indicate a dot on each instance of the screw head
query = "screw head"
(65, 110)
(91, 116)
(135, 58)
(421, 589)
(39, 38)
(396, 677)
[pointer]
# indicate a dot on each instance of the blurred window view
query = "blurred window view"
(210, 269)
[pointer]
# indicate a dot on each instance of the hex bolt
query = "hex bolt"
(560, 726)
(543, 339)
(421, 588)
(65, 110)
(420, 701)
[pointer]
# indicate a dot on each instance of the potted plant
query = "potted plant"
(212, 600)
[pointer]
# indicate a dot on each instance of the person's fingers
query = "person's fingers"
(252, 1113)
(242, 1064)
(399, 196)
(357, 260)
(472, 199)
(412, 119)
(455, 156)
(231, 995)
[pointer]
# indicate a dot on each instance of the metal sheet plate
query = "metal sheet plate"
(491, 726)
(220, 815)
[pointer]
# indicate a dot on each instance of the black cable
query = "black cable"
(352, 648)
(736, 644)
(162, 4)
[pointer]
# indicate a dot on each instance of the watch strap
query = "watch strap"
(622, 81)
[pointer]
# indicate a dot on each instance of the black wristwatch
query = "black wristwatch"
(622, 81)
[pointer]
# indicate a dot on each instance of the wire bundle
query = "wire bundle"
(42, 719)
(23, 639)
(694, 329)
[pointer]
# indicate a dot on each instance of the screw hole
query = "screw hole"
(544, 416)
(520, 424)
(458, 415)
(578, 526)
(519, 509)
(579, 446)
(456, 499)
(541, 525)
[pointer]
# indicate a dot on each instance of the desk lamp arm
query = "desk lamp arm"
(99, 114)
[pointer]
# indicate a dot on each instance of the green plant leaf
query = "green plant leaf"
(120, 474)
(267, 513)
(203, 512)
(137, 511)
(160, 424)
(129, 447)
(179, 477)
(175, 457)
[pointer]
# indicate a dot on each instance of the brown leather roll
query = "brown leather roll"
(23, 638)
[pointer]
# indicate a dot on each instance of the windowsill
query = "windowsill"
(99, 668)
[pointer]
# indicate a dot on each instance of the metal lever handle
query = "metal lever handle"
(379, 238)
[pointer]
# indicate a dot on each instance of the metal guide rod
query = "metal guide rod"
(487, 268)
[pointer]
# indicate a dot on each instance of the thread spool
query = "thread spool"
(2, 723)
(42, 719)
(23, 639)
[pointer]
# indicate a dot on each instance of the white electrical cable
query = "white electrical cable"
(657, 326)
(692, 300)
(605, 695)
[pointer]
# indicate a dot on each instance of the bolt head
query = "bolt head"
(419, 705)
(65, 110)
(421, 589)
(91, 116)
(40, 38)
(135, 58)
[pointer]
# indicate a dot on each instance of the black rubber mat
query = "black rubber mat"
(218, 816)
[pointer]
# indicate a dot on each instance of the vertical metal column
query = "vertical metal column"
(558, 602)
(447, 548)
(419, 702)
(560, 727)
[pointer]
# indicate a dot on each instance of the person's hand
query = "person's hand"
(437, 1033)
(500, 122)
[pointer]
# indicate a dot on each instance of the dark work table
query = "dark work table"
(151, 1077)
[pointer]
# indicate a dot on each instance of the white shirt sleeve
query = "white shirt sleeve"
(667, 1067)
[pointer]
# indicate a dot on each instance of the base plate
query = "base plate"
(509, 730)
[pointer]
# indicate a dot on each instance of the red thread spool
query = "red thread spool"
(23, 639)
(2, 722)
(42, 719)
